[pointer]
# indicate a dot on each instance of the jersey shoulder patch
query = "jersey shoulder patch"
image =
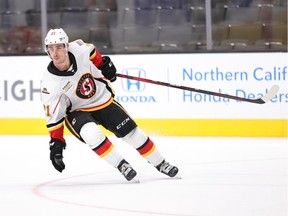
(79, 42)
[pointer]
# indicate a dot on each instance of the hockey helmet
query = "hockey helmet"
(56, 36)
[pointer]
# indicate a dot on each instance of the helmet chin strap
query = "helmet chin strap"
(49, 55)
(66, 47)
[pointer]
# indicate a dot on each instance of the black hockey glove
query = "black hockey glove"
(108, 69)
(56, 154)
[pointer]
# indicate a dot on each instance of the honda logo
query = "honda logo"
(133, 85)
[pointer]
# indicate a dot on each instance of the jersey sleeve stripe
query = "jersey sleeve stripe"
(92, 54)
(54, 126)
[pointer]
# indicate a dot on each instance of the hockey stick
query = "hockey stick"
(265, 98)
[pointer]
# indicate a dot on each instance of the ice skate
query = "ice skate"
(125, 168)
(167, 169)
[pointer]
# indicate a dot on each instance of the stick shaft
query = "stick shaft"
(258, 101)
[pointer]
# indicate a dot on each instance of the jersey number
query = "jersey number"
(47, 110)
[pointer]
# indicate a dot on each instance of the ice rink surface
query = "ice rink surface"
(220, 177)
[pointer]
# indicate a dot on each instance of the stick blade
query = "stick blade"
(271, 93)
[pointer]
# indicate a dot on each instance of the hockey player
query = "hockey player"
(75, 89)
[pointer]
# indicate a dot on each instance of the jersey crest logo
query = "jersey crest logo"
(86, 87)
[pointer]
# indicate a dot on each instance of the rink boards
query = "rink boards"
(170, 127)
(161, 110)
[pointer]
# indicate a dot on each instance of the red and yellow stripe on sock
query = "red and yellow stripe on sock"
(147, 148)
(104, 148)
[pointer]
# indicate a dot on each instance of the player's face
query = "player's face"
(58, 53)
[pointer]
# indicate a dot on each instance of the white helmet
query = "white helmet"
(56, 36)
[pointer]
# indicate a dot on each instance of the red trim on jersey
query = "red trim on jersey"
(104, 148)
(147, 148)
(56, 105)
(57, 133)
(96, 58)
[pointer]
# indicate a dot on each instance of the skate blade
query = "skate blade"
(135, 180)
(177, 176)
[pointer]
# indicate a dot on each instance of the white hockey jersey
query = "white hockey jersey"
(82, 87)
